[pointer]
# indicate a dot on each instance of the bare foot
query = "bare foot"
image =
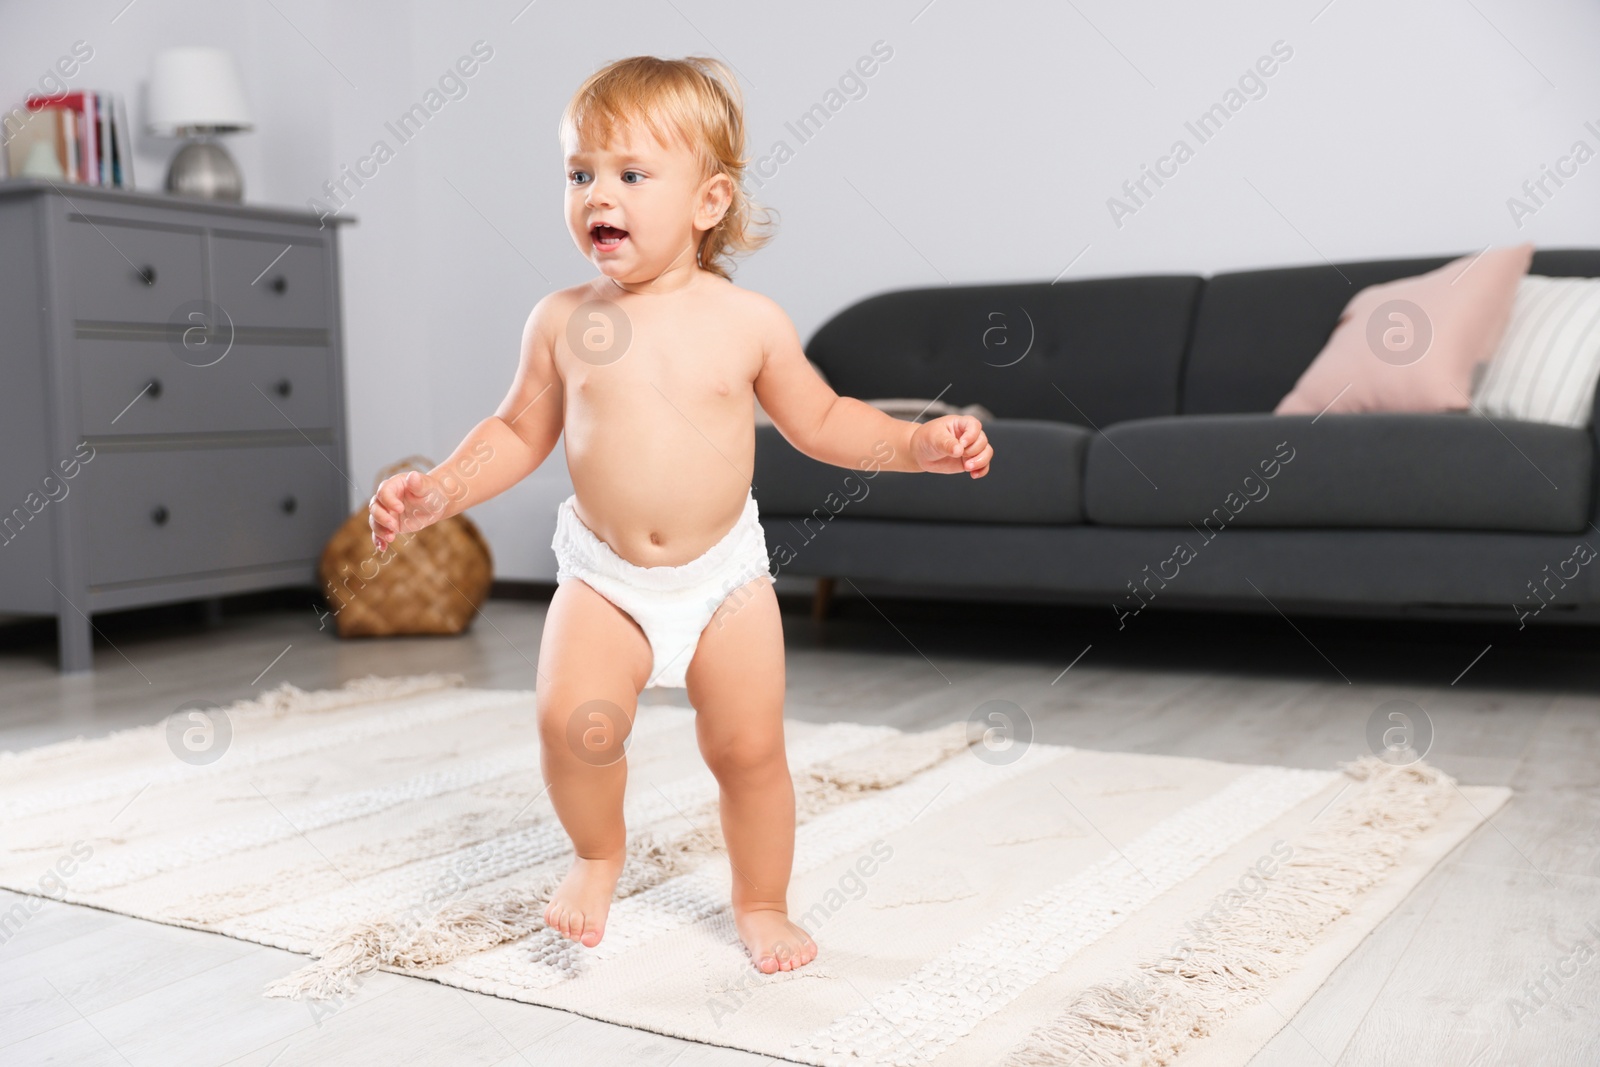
(774, 943)
(577, 909)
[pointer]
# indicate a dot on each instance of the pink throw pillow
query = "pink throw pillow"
(1412, 344)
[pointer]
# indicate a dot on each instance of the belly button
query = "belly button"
(655, 539)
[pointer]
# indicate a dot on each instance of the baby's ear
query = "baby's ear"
(717, 200)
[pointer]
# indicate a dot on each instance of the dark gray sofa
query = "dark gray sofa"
(1137, 462)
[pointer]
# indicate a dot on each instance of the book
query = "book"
(11, 124)
(108, 137)
(69, 141)
(40, 146)
(88, 132)
(102, 108)
(81, 104)
(123, 142)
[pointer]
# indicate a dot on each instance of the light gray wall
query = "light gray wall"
(985, 148)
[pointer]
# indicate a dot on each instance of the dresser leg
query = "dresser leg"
(74, 642)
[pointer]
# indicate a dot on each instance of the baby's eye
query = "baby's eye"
(634, 173)
(577, 177)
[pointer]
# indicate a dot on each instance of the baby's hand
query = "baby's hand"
(404, 503)
(951, 444)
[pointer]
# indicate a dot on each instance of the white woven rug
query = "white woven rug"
(1071, 906)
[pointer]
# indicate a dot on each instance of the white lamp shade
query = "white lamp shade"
(196, 88)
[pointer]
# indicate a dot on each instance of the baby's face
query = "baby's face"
(637, 208)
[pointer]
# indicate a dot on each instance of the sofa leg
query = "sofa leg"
(821, 599)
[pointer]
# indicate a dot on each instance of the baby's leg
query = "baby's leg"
(736, 684)
(593, 661)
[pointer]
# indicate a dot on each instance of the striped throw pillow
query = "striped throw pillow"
(1549, 359)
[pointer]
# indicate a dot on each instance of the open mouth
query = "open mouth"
(607, 238)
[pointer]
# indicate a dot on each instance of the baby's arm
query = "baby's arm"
(498, 452)
(846, 432)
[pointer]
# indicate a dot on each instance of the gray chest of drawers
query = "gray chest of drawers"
(171, 401)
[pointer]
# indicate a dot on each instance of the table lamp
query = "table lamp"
(195, 92)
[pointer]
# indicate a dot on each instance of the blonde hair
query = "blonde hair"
(694, 101)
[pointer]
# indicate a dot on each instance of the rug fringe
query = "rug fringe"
(458, 928)
(286, 699)
(887, 763)
(1179, 997)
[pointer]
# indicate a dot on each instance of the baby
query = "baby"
(652, 370)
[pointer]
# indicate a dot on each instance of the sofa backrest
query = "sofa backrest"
(1256, 331)
(1099, 350)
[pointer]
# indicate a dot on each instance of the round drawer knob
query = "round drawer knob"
(160, 515)
(289, 505)
(154, 388)
(147, 274)
(284, 387)
(280, 285)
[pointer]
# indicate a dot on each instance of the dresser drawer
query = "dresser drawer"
(170, 513)
(270, 281)
(142, 387)
(131, 273)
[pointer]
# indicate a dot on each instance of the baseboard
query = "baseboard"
(521, 589)
(792, 592)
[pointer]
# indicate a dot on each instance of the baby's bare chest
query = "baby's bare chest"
(648, 365)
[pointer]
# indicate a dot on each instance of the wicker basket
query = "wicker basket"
(429, 582)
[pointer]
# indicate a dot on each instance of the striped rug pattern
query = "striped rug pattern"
(1065, 905)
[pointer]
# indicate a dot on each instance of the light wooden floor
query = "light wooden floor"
(1431, 986)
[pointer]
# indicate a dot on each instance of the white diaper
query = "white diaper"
(672, 605)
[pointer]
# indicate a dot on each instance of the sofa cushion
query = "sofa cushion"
(1414, 343)
(1089, 352)
(1377, 470)
(1548, 363)
(1256, 331)
(1040, 480)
